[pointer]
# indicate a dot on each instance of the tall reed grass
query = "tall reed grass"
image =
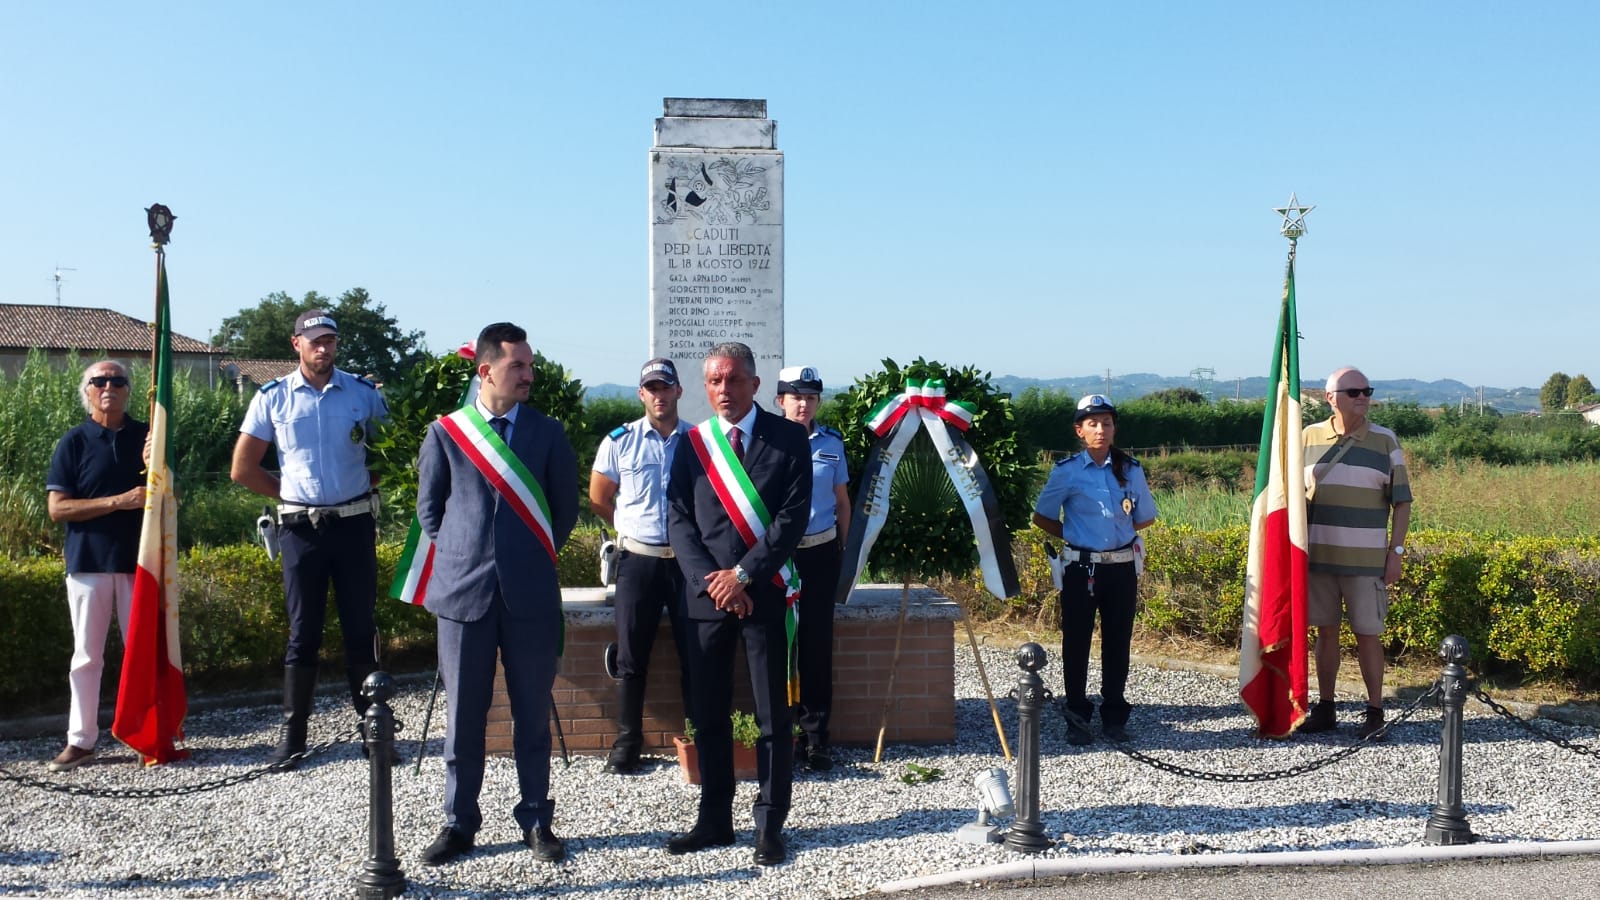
(1550, 500)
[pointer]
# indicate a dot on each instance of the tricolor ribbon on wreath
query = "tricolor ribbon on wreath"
(896, 421)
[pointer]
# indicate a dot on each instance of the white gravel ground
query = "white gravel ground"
(304, 834)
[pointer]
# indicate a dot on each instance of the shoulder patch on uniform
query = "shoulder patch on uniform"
(617, 432)
(271, 384)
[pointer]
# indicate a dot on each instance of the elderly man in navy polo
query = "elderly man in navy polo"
(321, 418)
(96, 486)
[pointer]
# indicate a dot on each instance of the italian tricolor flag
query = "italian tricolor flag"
(151, 703)
(1272, 644)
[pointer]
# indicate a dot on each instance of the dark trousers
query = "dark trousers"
(342, 551)
(819, 572)
(645, 584)
(467, 652)
(711, 664)
(1114, 598)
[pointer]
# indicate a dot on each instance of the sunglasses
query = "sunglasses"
(1353, 393)
(101, 381)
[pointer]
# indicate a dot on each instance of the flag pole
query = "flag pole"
(160, 219)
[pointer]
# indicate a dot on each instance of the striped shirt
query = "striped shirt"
(1349, 516)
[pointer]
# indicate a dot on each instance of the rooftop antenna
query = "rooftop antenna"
(59, 270)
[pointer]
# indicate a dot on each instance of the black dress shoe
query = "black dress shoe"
(700, 837)
(449, 846)
(770, 849)
(545, 845)
(622, 762)
(1114, 731)
(817, 759)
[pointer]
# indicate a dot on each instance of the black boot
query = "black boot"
(299, 686)
(624, 758)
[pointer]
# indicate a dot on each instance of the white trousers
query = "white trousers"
(91, 598)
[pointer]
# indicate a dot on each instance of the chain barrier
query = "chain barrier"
(78, 790)
(1535, 730)
(1249, 777)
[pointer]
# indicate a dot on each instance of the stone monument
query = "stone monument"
(716, 240)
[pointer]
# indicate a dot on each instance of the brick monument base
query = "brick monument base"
(923, 712)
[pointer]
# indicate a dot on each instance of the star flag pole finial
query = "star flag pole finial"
(1294, 218)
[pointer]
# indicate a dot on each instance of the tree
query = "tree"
(1579, 390)
(370, 340)
(1178, 396)
(1553, 395)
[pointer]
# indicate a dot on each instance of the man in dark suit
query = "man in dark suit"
(494, 584)
(729, 560)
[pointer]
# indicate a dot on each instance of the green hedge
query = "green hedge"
(1528, 606)
(231, 614)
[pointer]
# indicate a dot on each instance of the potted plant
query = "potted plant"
(746, 732)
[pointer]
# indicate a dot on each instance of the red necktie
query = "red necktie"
(737, 440)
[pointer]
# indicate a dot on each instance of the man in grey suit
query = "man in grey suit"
(498, 494)
(730, 592)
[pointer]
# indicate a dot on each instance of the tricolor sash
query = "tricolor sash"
(517, 487)
(751, 519)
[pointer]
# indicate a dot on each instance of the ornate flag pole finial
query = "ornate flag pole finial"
(160, 220)
(1294, 218)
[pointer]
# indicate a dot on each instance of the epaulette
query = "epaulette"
(617, 432)
(366, 381)
(271, 384)
(1066, 459)
(826, 430)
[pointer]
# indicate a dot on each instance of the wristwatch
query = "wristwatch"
(741, 576)
(1399, 549)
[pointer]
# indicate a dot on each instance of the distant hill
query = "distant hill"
(1404, 390)
(1136, 385)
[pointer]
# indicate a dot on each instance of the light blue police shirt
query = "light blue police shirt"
(321, 435)
(1088, 502)
(828, 471)
(639, 460)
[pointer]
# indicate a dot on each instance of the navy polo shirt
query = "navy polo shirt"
(93, 461)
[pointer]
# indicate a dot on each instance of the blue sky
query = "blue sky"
(1044, 190)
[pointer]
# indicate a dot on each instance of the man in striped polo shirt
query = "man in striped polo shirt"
(1358, 510)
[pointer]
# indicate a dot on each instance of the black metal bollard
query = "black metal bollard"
(1447, 823)
(1026, 834)
(380, 877)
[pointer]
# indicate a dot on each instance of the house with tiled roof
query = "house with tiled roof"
(93, 333)
(250, 374)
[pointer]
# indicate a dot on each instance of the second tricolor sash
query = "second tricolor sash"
(751, 518)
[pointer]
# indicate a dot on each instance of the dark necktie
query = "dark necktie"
(500, 424)
(736, 438)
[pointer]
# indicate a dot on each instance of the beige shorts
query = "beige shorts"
(1364, 597)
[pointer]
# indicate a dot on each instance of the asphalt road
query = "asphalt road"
(1558, 878)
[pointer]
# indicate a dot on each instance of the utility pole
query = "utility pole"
(1108, 381)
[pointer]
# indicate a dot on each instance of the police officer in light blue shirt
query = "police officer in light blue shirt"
(1096, 501)
(818, 559)
(628, 490)
(321, 419)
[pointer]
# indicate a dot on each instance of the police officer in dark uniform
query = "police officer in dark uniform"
(628, 489)
(321, 418)
(818, 559)
(1095, 502)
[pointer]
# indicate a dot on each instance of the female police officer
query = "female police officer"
(1095, 501)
